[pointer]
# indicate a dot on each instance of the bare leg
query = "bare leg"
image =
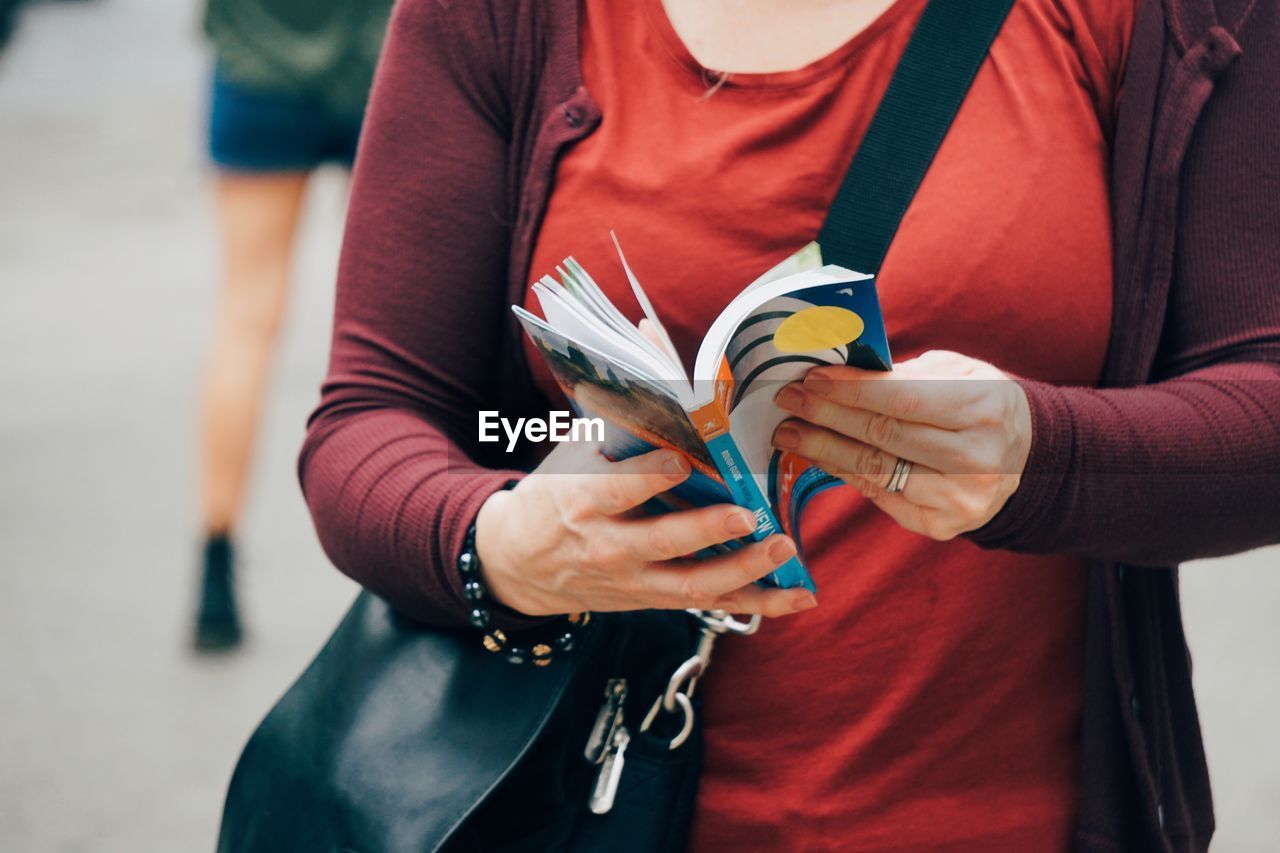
(258, 217)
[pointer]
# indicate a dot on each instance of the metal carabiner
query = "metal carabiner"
(676, 698)
(686, 728)
(680, 687)
(722, 622)
(733, 625)
(688, 672)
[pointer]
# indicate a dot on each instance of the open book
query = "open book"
(720, 415)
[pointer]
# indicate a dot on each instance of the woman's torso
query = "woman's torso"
(933, 698)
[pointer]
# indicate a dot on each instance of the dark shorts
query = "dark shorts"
(252, 131)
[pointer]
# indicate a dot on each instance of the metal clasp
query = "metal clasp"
(608, 720)
(607, 744)
(678, 697)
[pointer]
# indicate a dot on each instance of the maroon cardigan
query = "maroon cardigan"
(1176, 457)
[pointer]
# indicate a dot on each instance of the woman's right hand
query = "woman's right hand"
(568, 538)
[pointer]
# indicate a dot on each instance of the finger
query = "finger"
(939, 523)
(924, 486)
(651, 334)
(631, 482)
(830, 450)
(700, 583)
(940, 401)
(909, 515)
(845, 457)
(940, 448)
(679, 534)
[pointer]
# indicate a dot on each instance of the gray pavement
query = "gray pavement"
(112, 738)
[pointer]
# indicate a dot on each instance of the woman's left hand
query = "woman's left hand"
(964, 426)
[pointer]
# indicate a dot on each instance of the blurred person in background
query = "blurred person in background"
(288, 95)
(8, 19)
(8, 13)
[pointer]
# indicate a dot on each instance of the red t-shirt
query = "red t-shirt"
(933, 700)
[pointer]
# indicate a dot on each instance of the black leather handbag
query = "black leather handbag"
(402, 737)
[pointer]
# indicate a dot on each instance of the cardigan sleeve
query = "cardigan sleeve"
(1188, 466)
(385, 467)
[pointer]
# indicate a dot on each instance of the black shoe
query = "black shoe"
(218, 619)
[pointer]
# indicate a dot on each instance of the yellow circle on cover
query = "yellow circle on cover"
(819, 327)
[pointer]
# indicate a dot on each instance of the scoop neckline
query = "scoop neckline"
(788, 79)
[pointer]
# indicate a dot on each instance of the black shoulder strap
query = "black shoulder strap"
(941, 59)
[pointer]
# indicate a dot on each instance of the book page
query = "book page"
(581, 287)
(833, 321)
(647, 307)
(808, 258)
(571, 318)
(640, 413)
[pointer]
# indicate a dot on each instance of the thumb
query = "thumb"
(650, 333)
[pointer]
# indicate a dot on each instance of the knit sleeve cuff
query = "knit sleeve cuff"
(1030, 510)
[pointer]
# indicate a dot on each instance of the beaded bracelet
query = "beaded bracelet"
(495, 640)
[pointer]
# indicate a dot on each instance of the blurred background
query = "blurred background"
(113, 735)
